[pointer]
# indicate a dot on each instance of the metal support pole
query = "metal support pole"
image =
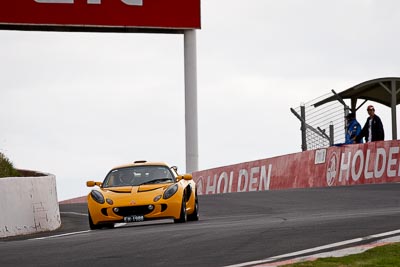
(394, 117)
(192, 156)
(303, 129)
(331, 135)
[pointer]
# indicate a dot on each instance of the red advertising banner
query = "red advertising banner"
(117, 15)
(371, 163)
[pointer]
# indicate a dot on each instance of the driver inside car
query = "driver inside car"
(124, 179)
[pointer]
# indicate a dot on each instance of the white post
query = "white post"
(192, 155)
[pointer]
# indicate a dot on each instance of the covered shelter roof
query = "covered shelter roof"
(382, 90)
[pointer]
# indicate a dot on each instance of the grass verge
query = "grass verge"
(383, 256)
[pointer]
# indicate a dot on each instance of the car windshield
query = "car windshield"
(138, 175)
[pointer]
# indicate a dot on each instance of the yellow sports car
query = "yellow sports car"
(142, 191)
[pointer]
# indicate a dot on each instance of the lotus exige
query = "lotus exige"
(142, 191)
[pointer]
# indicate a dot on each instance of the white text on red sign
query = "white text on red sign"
(95, 2)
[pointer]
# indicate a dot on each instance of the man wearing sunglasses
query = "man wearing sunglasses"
(373, 128)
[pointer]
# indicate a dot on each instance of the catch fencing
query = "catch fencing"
(321, 126)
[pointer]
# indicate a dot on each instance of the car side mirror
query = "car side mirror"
(187, 176)
(92, 183)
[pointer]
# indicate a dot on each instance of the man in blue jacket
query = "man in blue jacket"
(353, 129)
(373, 128)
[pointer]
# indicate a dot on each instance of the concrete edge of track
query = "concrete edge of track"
(357, 245)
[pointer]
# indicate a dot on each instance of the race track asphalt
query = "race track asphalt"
(233, 228)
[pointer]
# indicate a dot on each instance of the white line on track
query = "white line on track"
(316, 249)
(61, 235)
(73, 213)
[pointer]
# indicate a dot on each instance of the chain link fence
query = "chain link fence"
(321, 126)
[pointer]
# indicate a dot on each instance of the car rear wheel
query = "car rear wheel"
(195, 215)
(183, 215)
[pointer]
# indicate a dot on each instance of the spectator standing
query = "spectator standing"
(373, 128)
(353, 129)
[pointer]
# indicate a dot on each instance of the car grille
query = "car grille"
(135, 210)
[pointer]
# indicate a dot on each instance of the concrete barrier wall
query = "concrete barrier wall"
(28, 205)
(376, 162)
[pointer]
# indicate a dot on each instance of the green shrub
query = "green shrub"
(7, 168)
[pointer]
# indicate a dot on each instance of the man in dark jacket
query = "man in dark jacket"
(373, 128)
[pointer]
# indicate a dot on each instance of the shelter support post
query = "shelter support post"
(394, 103)
(190, 55)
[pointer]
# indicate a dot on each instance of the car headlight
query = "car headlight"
(97, 196)
(170, 191)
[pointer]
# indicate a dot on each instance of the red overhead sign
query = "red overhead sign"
(87, 15)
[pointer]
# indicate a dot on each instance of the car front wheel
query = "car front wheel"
(91, 224)
(195, 215)
(183, 215)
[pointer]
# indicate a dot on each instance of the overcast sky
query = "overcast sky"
(77, 104)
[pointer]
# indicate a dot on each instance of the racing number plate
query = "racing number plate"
(134, 218)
